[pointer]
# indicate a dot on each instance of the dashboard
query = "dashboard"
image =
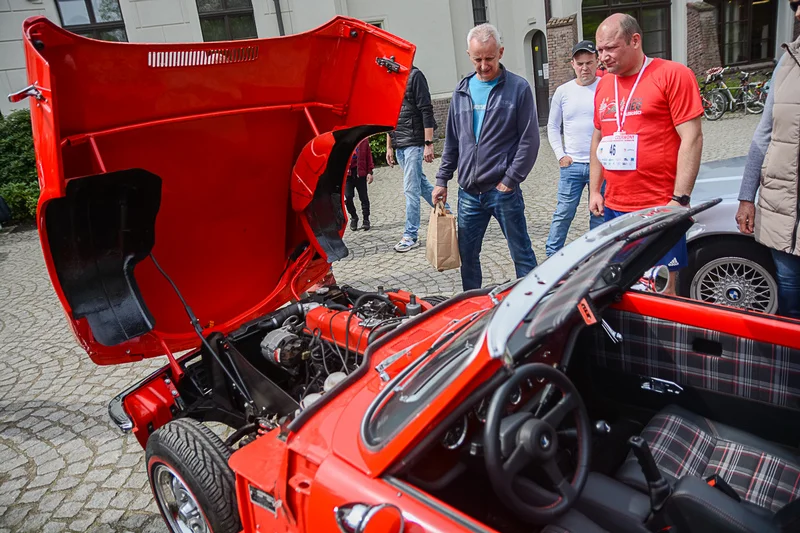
(465, 436)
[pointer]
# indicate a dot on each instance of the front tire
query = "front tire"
(717, 105)
(194, 487)
(735, 272)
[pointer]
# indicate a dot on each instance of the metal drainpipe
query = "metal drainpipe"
(280, 17)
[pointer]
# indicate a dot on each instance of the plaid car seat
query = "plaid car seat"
(766, 476)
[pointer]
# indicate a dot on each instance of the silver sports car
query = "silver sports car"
(725, 266)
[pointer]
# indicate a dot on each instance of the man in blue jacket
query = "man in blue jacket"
(492, 138)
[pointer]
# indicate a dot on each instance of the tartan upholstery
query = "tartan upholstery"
(682, 448)
(658, 348)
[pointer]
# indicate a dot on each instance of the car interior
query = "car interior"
(688, 420)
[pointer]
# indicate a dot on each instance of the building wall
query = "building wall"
(159, 21)
(562, 34)
(703, 39)
(12, 55)
(426, 24)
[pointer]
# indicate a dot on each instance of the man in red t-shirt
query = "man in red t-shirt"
(650, 155)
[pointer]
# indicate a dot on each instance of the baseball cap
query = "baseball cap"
(584, 46)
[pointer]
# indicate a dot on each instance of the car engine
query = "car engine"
(277, 365)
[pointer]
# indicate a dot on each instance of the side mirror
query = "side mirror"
(653, 280)
(362, 518)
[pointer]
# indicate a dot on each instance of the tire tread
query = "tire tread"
(201, 458)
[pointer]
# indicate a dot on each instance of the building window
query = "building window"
(479, 12)
(653, 17)
(96, 19)
(226, 20)
(746, 30)
(376, 23)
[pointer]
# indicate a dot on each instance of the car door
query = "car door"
(736, 367)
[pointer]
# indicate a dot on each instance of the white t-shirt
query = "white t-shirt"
(572, 105)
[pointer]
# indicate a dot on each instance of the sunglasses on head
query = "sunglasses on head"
(794, 6)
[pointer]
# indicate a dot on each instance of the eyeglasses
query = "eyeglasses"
(794, 6)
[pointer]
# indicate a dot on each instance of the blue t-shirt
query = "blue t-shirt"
(479, 90)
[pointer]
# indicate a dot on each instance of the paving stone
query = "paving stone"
(30, 496)
(54, 527)
(52, 466)
(50, 502)
(43, 480)
(68, 510)
(100, 499)
(111, 515)
(83, 523)
(16, 514)
(98, 475)
(66, 483)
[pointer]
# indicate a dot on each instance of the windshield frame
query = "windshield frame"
(530, 290)
(432, 385)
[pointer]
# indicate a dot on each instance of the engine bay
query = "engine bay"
(272, 368)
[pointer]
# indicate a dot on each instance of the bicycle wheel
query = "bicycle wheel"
(714, 104)
(753, 103)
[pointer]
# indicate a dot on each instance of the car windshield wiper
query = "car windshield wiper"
(441, 341)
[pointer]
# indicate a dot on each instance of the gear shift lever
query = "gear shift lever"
(658, 487)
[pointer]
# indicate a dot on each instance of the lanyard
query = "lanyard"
(621, 122)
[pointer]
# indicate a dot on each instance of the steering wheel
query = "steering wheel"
(512, 442)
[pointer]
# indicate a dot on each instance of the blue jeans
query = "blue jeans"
(787, 267)
(415, 184)
(474, 212)
(570, 188)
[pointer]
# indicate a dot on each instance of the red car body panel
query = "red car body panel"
(238, 133)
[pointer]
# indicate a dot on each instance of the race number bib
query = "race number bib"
(618, 151)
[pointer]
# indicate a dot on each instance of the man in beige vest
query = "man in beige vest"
(772, 166)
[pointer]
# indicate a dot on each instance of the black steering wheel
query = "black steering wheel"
(512, 442)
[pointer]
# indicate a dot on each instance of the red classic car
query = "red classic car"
(191, 205)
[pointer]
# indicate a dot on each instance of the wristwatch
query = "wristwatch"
(428, 143)
(683, 200)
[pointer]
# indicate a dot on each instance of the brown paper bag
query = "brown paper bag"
(441, 250)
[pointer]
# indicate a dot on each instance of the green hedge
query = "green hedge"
(21, 199)
(377, 144)
(18, 184)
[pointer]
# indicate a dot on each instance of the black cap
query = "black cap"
(584, 46)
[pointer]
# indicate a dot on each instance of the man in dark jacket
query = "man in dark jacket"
(411, 142)
(358, 177)
(492, 138)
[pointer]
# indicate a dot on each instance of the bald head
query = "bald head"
(619, 44)
(620, 24)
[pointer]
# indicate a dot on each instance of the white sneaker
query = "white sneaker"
(405, 245)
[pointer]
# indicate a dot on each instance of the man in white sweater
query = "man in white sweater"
(573, 108)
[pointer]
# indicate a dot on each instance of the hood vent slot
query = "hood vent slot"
(198, 58)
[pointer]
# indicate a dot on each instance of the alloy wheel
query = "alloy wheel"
(178, 503)
(736, 282)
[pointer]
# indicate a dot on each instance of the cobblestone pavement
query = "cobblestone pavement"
(65, 467)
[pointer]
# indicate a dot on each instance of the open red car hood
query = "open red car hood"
(223, 161)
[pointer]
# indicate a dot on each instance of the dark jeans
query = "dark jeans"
(788, 270)
(474, 212)
(352, 184)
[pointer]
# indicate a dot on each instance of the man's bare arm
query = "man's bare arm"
(596, 202)
(691, 149)
(595, 169)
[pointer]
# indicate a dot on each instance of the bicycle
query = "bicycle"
(714, 103)
(743, 96)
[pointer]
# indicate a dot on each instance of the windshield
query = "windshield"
(415, 388)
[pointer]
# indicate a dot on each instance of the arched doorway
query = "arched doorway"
(541, 75)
